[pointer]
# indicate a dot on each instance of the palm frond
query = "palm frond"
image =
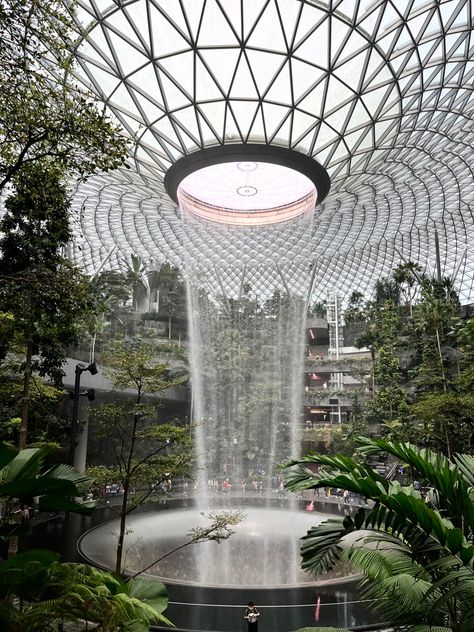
(465, 462)
(321, 549)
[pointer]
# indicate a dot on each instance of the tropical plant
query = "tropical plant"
(24, 479)
(407, 276)
(40, 594)
(136, 276)
(417, 554)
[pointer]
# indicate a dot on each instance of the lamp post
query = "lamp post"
(92, 368)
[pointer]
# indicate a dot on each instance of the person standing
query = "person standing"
(252, 614)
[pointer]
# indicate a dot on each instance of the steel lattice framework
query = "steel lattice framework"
(379, 92)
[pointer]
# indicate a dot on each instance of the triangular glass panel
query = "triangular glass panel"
(165, 38)
(375, 100)
(341, 169)
(338, 93)
(353, 46)
(302, 124)
(416, 26)
(313, 102)
(350, 71)
(188, 143)
(122, 99)
(257, 131)
(315, 47)
(145, 80)
(457, 12)
(280, 90)
(352, 140)
(105, 82)
(151, 112)
(367, 141)
(359, 116)
(340, 35)
(215, 113)
(174, 14)
(387, 42)
(265, 66)
(398, 62)
(206, 86)
(305, 144)
(128, 57)
(383, 131)
(128, 122)
(243, 85)
(231, 132)
(375, 66)
(193, 11)
(289, 11)
(325, 136)
(174, 152)
(222, 62)
(339, 118)
(252, 12)
(392, 99)
(174, 97)
(281, 136)
(347, 7)
(215, 29)
(368, 21)
(268, 33)
(244, 113)
(118, 22)
(274, 116)
(460, 48)
(232, 10)
(338, 152)
(165, 130)
(304, 76)
(181, 68)
(92, 53)
(187, 119)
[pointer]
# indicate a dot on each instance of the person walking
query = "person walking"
(252, 614)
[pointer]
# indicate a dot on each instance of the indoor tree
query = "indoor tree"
(41, 115)
(43, 293)
(148, 451)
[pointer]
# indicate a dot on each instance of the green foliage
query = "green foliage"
(54, 594)
(41, 115)
(417, 556)
(24, 478)
(148, 452)
(444, 416)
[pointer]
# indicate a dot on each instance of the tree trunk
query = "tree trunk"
(169, 327)
(123, 521)
(25, 406)
(372, 356)
(440, 355)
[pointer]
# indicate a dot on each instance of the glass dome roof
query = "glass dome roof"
(379, 92)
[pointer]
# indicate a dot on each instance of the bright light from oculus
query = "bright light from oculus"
(247, 193)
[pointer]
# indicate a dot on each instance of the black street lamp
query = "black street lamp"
(92, 368)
